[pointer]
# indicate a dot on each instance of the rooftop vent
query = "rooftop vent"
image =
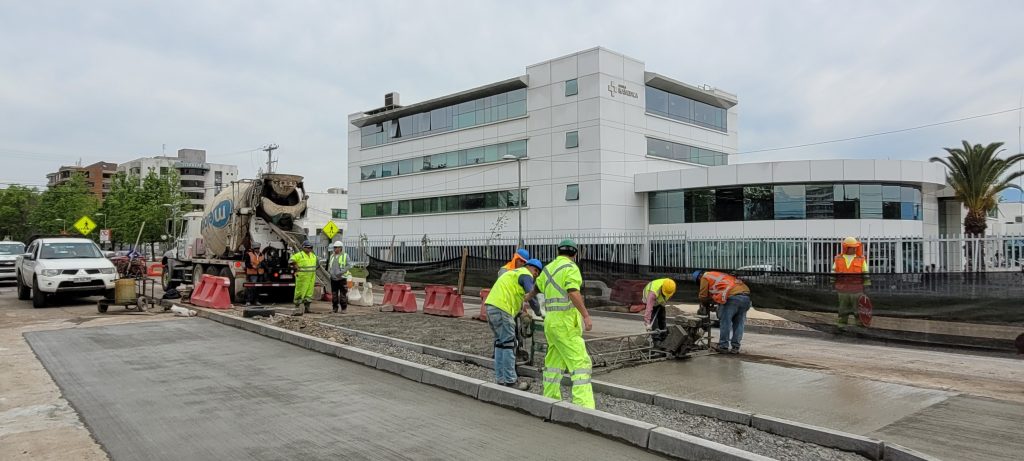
(391, 99)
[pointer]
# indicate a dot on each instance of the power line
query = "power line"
(881, 133)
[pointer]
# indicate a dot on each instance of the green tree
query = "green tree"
(60, 206)
(977, 176)
(153, 199)
(123, 207)
(16, 202)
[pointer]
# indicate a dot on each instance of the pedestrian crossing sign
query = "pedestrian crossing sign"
(330, 229)
(85, 225)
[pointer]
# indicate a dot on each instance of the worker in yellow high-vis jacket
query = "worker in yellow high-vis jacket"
(304, 265)
(567, 317)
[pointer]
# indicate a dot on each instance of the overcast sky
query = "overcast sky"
(117, 80)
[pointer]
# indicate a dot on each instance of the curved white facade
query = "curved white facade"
(929, 178)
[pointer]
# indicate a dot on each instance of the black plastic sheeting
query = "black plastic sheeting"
(992, 298)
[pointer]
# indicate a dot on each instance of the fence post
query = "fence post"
(462, 269)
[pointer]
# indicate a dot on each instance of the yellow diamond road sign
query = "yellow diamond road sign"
(330, 229)
(85, 225)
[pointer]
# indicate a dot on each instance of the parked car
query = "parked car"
(63, 265)
(9, 252)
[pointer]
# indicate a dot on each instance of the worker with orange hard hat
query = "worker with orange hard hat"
(851, 269)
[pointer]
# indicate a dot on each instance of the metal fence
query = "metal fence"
(809, 255)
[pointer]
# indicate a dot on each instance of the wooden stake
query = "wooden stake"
(462, 269)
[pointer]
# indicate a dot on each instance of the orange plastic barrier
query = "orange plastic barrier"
(483, 305)
(395, 292)
(443, 301)
(155, 270)
(212, 292)
(406, 300)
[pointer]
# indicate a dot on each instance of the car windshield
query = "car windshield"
(11, 248)
(68, 250)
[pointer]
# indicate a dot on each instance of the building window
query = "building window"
(685, 153)
(684, 109)
(474, 156)
(572, 192)
(489, 109)
(572, 139)
(571, 87)
(495, 200)
(339, 213)
(786, 202)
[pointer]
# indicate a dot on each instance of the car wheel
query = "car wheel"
(38, 296)
(101, 307)
(24, 292)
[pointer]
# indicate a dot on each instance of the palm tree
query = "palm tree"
(977, 176)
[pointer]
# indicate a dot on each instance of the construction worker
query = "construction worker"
(851, 269)
(567, 317)
(338, 267)
(504, 303)
(304, 265)
(518, 260)
(656, 294)
(254, 270)
(733, 299)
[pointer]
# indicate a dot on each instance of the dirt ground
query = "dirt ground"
(35, 420)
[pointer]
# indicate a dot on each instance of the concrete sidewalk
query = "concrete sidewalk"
(194, 389)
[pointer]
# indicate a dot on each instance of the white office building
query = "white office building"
(200, 180)
(607, 146)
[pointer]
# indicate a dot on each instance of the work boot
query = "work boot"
(334, 309)
(734, 350)
(307, 310)
(519, 385)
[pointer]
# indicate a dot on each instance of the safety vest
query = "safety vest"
(306, 263)
(849, 279)
(655, 286)
(552, 283)
(507, 294)
(255, 259)
(719, 285)
(342, 260)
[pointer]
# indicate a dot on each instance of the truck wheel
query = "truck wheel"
(166, 281)
(212, 270)
(197, 274)
(38, 297)
(226, 272)
(24, 292)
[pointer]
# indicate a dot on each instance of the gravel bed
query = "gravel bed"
(731, 434)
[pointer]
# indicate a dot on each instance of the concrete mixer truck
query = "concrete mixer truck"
(265, 210)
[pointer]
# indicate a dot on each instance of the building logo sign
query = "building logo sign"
(614, 88)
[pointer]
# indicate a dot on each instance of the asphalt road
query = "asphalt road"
(194, 389)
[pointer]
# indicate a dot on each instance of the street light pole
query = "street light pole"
(519, 194)
(63, 223)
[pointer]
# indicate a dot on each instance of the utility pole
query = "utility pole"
(269, 149)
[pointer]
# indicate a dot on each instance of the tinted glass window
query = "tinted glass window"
(7, 248)
(572, 139)
(571, 87)
(657, 100)
(871, 201)
(685, 153)
(685, 109)
(699, 205)
(572, 192)
(69, 250)
(758, 203)
(820, 201)
(790, 202)
(729, 204)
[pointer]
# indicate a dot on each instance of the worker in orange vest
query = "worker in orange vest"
(851, 269)
(733, 299)
(253, 271)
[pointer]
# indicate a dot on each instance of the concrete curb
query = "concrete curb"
(893, 452)
(619, 427)
(703, 409)
(526, 402)
(686, 446)
(452, 381)
(404, 368)
(623, 392)
(871, 448)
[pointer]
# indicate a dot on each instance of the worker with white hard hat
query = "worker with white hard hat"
(338, 267)
(851, 269)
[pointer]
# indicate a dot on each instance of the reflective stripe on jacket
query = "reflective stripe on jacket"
(554, 282)
(720, 286)
(305, 263)
(338, 263)
(507, 293)
(255, 260)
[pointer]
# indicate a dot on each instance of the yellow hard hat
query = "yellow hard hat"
(851, 241)
(668, 287)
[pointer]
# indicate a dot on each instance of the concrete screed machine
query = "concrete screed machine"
(685, 336)
(267, 211)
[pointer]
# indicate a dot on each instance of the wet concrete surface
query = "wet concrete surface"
(853, 405)
(194, 389)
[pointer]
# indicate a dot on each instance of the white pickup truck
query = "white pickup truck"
(63, 265)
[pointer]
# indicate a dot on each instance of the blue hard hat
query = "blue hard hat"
(535, 263)
(307, 244)
(696, 275)
(523, 253)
